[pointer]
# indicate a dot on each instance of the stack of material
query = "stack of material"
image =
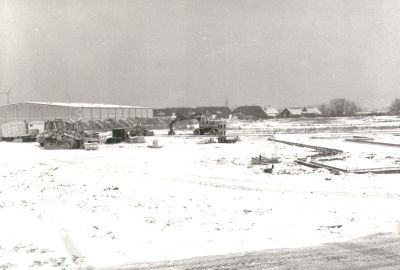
(261, 160)
(155, 144)
(207, 141)
(225, 139)
(137, 139)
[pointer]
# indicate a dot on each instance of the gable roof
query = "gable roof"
(294, 111)
(215, 110)
(271, 111)
(312, 110)
(303, 111)
(255, 111)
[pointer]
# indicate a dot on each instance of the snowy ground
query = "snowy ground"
(130, 203)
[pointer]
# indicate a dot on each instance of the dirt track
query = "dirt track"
(381, 251)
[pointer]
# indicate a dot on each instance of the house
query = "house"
(271, 112)
(217, 112)
(311, 112)
(300, 112)
(290, 113)
(251, 112)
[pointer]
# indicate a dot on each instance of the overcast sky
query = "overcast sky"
(189, 53)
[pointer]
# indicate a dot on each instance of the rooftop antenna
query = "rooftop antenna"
(8, 94)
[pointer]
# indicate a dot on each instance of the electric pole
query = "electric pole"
(8, 94)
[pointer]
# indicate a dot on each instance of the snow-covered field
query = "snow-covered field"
(130, 203)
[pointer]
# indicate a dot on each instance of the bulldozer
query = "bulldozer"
(206, 125)
(139, 130)
(61, 134)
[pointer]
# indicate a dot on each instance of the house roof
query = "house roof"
(270, 110)
(215, 110)
(178, 111)
(312, 110)
(303, 111)
(294, 111)
(251, 111)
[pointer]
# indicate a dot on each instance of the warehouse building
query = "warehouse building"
(41, 111)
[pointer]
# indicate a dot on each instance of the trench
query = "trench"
(325, 152)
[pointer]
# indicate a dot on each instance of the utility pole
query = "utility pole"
(68, 96)
(226, 102)
(8, 94)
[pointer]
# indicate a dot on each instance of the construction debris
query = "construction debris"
(225, 139)
(358, 140)
(137, 139)
(129, 135)
(262, 160)
(207, 141)
(154, 145)
(269, 170)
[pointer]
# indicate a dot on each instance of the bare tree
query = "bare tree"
(395, 107)
(324, 109)
(339, 107)
(336, 107)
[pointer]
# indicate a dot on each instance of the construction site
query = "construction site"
(206, 186)
(199, 135)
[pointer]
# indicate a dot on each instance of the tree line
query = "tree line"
(344, 107)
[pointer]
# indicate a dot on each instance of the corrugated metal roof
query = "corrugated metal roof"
(80, 105)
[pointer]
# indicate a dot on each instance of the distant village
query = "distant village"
(339, 107)
(260, 112)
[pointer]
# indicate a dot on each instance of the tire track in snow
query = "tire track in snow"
(381, 251)
(268, 187)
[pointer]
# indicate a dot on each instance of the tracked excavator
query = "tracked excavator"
(206, 125)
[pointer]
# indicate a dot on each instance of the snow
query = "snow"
(130, 203)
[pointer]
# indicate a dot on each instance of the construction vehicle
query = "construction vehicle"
(206, 125)
(139, 130)
(61, 134)
(128, 135)
(118, 135)
(92, 140)
(19, 131)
